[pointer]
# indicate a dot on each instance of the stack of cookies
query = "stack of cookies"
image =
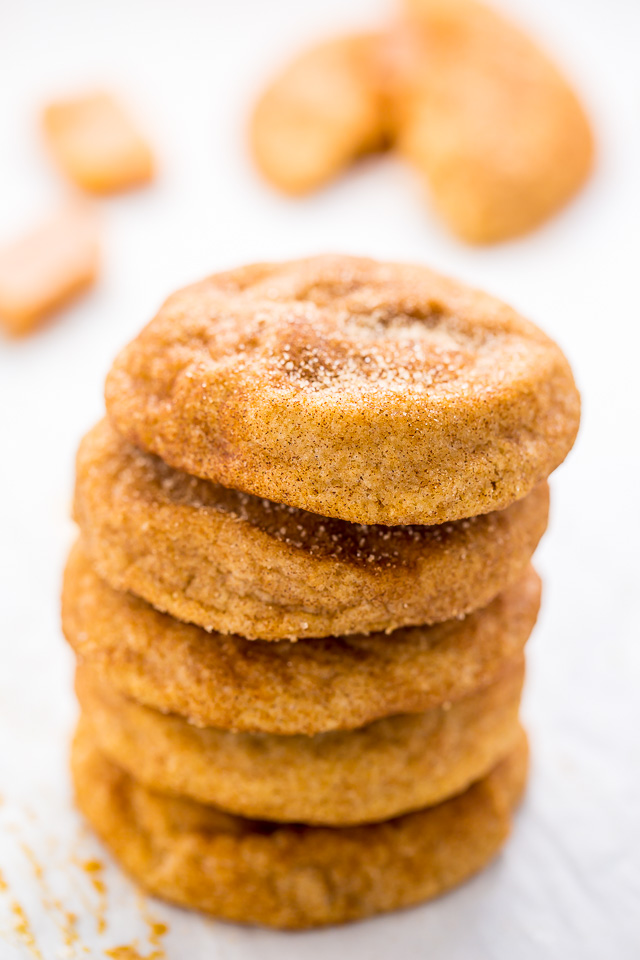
(302, 588)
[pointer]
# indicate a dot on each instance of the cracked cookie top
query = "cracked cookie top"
(371, 392)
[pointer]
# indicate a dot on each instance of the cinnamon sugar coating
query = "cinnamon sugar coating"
(293, 877)
(379, 771)
(376, 393)
(235, 563)
(309, 687)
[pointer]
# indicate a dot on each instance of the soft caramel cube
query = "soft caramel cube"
(44, 269)
(96, 145)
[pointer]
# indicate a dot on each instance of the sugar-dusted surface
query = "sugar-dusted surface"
(335, 683)
(235, 563)
(566, 886)
(293, 876)
(342, 778)
(370, 391)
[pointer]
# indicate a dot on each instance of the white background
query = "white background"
(568, 884)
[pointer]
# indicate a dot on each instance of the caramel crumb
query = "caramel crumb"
(94, 869)
(23, 929)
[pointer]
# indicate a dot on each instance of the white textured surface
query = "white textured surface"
(568, 884)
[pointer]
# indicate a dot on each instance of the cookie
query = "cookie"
(293, 877)
(322, 112)
(311, 686)
(387, 768)
(489, 122)
(42, 271)
(235, 563)
(96, 145)
(376, 393)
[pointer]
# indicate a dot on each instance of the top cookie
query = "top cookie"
(373, 392)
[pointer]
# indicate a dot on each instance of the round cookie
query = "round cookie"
(387, 768)
(372, 392)
(489, 121)
(235, 563)
(293, 877)
(322, 112)
(312, 686)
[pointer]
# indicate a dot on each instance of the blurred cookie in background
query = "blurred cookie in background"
(484, 116)
(489, 121)
(321, 113)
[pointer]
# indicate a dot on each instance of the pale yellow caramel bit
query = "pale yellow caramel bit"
(48, 267)
(95, 143)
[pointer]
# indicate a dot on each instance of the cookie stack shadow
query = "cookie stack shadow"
(289, 719)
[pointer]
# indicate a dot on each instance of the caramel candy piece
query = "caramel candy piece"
(96, 145)
(47, 267)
